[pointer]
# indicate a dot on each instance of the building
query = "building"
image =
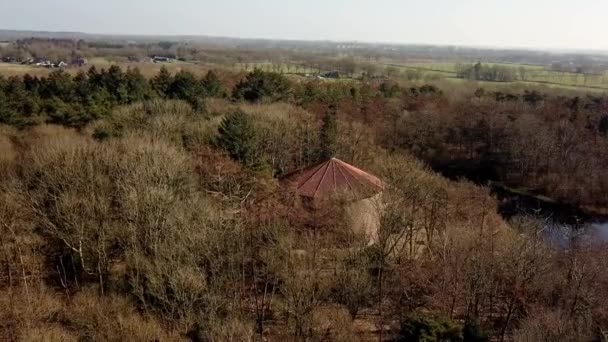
(42, 61)
(332, 74)
(359, 190)
(61, 64)
(160, 59)
(79, 62)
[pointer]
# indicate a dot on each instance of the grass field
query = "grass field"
(427, 71)
(8, 70)
(533, 74)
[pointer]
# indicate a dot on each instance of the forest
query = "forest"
(153, 208)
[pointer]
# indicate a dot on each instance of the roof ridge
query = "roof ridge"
(359, 173)
(316, 170)
(346, 179)
(319, 181)
(356, 177)
(322, 178)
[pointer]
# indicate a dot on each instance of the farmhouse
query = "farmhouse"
(160, 59)
(334, 178)
(332, 74)
(79, 62)
(42, 61)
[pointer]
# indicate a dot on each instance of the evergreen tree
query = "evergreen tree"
(59, 84)
(82, 86)
(137, 86)
(329, 134)
(237, 137)
(31, 83)
(95, 78)
(7, 114)
(260, 85)
(184, 86)
(21, 106)
(161, 83)
(211, 84)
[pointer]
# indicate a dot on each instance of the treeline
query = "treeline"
(485, 130)
(76, 100)
(484, 72)
(549, 144)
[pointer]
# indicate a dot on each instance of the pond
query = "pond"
(600, 230)
(564, 221)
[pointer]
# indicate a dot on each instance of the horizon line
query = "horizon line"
(553, 50)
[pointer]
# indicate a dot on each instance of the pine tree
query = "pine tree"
(137, 86)
(211, 84)
(6, 112)
(185, 86)
(236, 137)
(114, 82)
(263, 86)
(161, 83)
(329, 134)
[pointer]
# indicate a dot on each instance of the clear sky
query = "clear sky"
(581, 24)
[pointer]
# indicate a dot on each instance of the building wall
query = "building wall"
(364, 217)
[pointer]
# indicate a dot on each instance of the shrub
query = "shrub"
(171, 121)
(353, 286)
(286, 136)
(545, 326)
(110, 318)
(472, 332)
(428, 328)
(95, 201)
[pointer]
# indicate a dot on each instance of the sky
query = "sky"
(556, 24)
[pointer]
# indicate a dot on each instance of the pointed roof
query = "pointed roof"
(334, 177)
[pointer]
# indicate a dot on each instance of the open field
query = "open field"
(428, 71)
(532, 74)
(7, 70)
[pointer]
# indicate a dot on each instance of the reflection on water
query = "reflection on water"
(600, 231)
(562, 235)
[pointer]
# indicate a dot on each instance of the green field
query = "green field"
(533, 74)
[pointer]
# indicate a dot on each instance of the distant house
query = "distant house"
(79, 62)
(42, 61)
(61, 64)
(332, 74)
(9, 59)
(160, 59)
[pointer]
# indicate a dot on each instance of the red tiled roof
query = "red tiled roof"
(334, 177)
